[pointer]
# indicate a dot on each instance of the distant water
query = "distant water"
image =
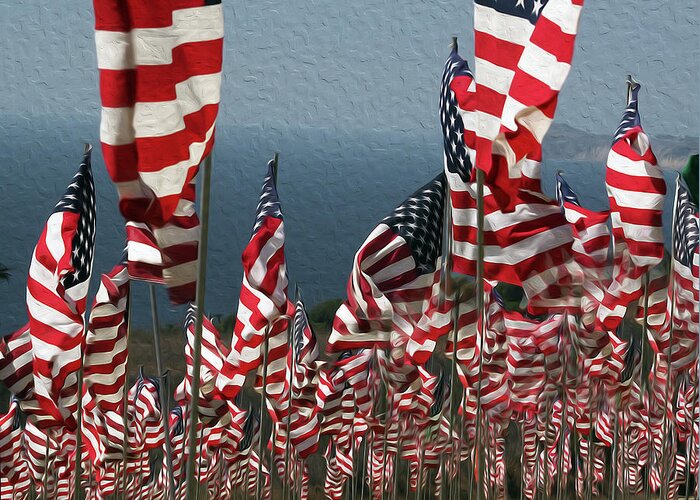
(334, 189)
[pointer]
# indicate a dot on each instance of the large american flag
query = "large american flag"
(528, 245)
(57, 286)
(523, 51)
(263, 304)
(160, 79)
(394, 275)
(636, 190)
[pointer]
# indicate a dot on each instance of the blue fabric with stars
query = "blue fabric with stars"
(525, 9)
(630, 118)
(685, 225)
(418, 220)
(456, 155)
(79, 198)
(269, 204)
(565, 193)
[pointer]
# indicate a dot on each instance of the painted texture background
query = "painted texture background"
(347, 92)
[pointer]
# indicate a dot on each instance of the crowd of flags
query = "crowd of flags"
(434, 381)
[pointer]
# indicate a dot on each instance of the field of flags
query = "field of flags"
(493, 343)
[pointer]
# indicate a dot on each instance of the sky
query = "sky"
(346, 91)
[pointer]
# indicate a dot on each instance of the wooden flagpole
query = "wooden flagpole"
(192, 485)
(165, 409)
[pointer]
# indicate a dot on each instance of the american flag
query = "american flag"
(685, 260)
(263, 306)
(105, 354)
(530, 244)
(160, 79)
(394, 275)
(636, 190)
(523, 51)
(57, 286)
(590, 247)
(16, 363)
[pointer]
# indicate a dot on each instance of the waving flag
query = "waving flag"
(263, 302)
(57, 286)
(523, 52)
(16, 366)
(160, 79)
(530, 244)
(636, 190)
(105, 359)
(590, 247)
(393, 276)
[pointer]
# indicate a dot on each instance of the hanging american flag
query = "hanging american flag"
(160, 79)
(263, 304)
(57, 286)
(523, 51)
(393, 276)
(636, 190)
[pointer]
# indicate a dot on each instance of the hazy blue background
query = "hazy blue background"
(346, 91)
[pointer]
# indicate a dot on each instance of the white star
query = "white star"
(521, 3)
(537, 7)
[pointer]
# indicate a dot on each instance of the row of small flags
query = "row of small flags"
(564, 373)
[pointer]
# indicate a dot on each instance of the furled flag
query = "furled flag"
(160, 79)
(263, 307)
(528, 246)
(394, 274)
(16, 363)
(57, 286)
(523, 51)
(636, 190)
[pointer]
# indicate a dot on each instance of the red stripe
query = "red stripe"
(125, 15)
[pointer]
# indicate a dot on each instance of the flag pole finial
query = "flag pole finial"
(275, 165)
(455, 46)
(631, 82)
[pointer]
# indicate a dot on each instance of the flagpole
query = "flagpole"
(192, 485)
(290, 340)
(480, 323)
(263, 395)
(165, 410)
(125, 396)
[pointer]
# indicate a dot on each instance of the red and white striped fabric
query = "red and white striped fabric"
(57, 286)
(10, 443)
(263, 307)
(529, 244)
(160, 79)
(636, 190)
(16, 363)
(212, 405)
(167, 254)
(523, 51)
(105, 355)
(394, 275)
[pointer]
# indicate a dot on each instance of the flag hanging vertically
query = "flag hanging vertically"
(523, 51)
(57, 286)
(636, 190)
(160, 79)
(263, 307)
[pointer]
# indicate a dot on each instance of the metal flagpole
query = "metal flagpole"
(288, 423)
(481, 321)
(192, 485)
(263, 396)
(165, 410)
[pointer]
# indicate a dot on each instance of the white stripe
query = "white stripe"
(564, 14)
(544, 66)
(506, 27)
(154, 46)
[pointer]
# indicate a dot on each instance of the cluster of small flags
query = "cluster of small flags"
(594, 405)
